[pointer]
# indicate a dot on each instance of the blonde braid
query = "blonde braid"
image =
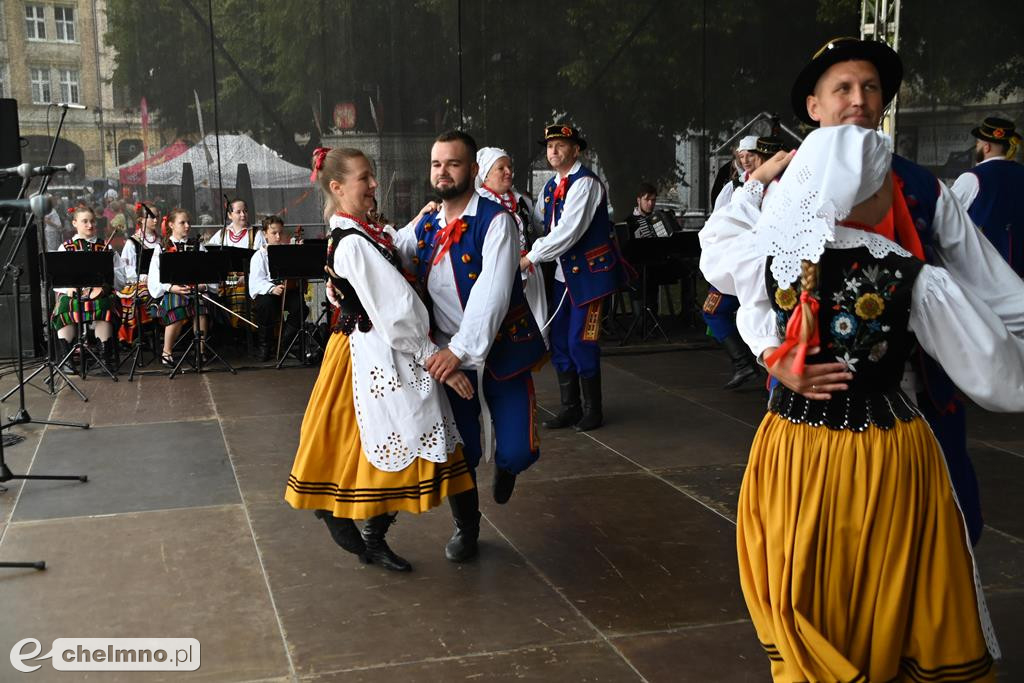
(808, 284)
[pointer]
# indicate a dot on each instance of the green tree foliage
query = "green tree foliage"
(633, 74)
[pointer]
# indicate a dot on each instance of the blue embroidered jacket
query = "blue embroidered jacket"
(592, 267)
(518, 346)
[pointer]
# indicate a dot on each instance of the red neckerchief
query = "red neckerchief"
(563, 187)
(510, 204)
(376, 232)
(447, 236)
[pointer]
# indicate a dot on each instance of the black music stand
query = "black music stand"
(145, 256)
(238, 260)
(644, 253)
(302, 262)
(189, 269)
(78, 270)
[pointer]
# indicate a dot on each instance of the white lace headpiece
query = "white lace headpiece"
(835, 169)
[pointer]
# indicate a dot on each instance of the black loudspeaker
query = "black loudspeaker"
(28, 291)
(10, 146)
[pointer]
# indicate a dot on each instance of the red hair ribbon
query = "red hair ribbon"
(71, 210)
(163, 227)
(319, 154)
(793, 328)
(138, 207)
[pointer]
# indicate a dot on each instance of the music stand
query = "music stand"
(79, 270)
(238, 260)
(189, 269)
(302, 262)
(645, 253)
(145, 257)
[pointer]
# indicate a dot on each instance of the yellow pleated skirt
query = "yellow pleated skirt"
(331, 471)
(853, 557)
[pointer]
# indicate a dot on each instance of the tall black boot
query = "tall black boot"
(569, 387)
(593, 416)
(466, 513)
(108, 350)
(377, 550)
(62, 348)
(263, 343)
(343, 531)
(744, 369)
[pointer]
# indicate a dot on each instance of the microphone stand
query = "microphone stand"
(48, 364)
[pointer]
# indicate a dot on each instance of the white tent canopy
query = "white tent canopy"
(266, 167)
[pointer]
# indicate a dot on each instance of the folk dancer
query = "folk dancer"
(579, 237)
(494, 181)
(991, 191)
(465, 257)
(96, 304)
(720, 309)
(854, 559)
(378, 436)
(850, 81)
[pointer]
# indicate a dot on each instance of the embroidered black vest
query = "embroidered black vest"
(353, 315)
(862, 322)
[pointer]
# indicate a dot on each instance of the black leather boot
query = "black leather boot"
(343, 531)
(62, 348)
(744, 369)
(263, 348)
(504, 484)
(569, 387)
(377, 550)
(593, 416)
(108, 351)
(466, 514)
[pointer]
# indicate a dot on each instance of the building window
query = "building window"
(64, 18)
(35, 25)
(69, 90)
(40, 85)
(3, 80)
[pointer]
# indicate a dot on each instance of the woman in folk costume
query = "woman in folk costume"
(97, 304)
(853, 553)
(494, 182)
(378, 435)
(146, 236)
(238, 234)
(171, 302)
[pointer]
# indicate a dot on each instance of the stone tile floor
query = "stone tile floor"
(614, 561)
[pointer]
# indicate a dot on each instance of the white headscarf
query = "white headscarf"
(486, 157)
(747, 144)
(835, 169)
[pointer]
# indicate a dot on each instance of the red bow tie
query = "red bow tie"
(447, 236)
(560, 191)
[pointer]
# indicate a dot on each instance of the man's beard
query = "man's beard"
(979, 156)
(452, 191)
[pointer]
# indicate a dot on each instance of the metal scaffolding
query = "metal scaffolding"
(880, 20)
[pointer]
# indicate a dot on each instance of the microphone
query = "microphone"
(68, 105)
(38, 204)
(27, 170)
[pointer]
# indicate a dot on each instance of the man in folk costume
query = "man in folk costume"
(850, 81)
(991, 191)
(465, 258)
(579, 237)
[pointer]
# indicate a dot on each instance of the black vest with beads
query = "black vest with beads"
(353, 315)
(862, 321)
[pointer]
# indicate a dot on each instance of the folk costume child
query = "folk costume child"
(98, 305)
(378, 435)
(145, 237)
(172, 303)
(266, 295)
(240, 235)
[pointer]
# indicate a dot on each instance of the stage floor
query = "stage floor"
(614, 561)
